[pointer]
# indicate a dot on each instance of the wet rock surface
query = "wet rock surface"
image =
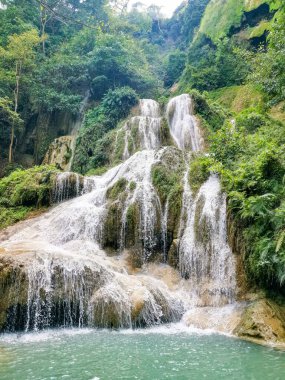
(262, 321)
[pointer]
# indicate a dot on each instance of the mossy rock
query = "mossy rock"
(201, 225)
(14, 295)
(111, 308)
(112, 227)
(117, 189)
(200, 170)
(132, 237)
(166, 139)
(167, 174)
(263, 321)
(173, 254)
(24, 191)
(175, 207)
(135, 257)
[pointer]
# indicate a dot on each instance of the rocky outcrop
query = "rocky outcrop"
(60, 152)
(263, 322)
(44, 286)
(69, 185)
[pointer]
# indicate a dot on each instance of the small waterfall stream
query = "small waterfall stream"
(146, 127)
(183, 123)
(72, 281)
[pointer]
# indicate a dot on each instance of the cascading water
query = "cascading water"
(67, 185)
(146, 127)
(205, 256)
(183, 124)
(71, 281)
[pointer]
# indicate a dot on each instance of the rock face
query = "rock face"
(44, 286)
(263, 321)
(60, 152)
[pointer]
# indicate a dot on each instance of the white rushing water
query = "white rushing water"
(183, 123)
(143, 131)
(73, 282)
(205, 256)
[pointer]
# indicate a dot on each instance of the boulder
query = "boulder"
(263, 321)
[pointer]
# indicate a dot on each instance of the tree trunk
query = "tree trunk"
(43, 28)
(16, 99)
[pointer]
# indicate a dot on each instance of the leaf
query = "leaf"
(280, 241)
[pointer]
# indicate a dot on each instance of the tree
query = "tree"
(174, 68)
(19, 56)
(8, 119)
(154, 12)
(47, 12)
(269, 64)
(120, 6)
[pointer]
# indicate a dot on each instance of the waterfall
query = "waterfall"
(149, 108)
(205, 256)
(67, 185)
(183, 124)
(143, 131)
(62, 258)
(68, 290)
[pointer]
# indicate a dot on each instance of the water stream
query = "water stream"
(70, 280)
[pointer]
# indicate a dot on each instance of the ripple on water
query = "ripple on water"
(164, 352)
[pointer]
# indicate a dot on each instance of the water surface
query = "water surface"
(168, 352)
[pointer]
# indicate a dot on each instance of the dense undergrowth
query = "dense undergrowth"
(25, 191)
(250, 158)
(92, 144)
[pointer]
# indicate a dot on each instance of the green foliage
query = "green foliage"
(221, 16)
(251, 120)
(212, 114)
(94, 143)
(227, 144)
(186, 19)
(83, 54)
(8, 117)
(59, 84)
(28, 187)
(174, 68)
(17, 59)
(269, 64)
(239, 98)
(12, 215)
(213, 66)
(120, 59)
(200, 169)
(253, 170)
(118, 188)
(23, 191)
(117, 104)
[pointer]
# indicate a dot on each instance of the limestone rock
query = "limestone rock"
(263, 321)
(43, 286)
(60, 152)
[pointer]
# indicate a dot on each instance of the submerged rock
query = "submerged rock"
(263, 321)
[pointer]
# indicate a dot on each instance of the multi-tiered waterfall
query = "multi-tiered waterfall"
(122, 253)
